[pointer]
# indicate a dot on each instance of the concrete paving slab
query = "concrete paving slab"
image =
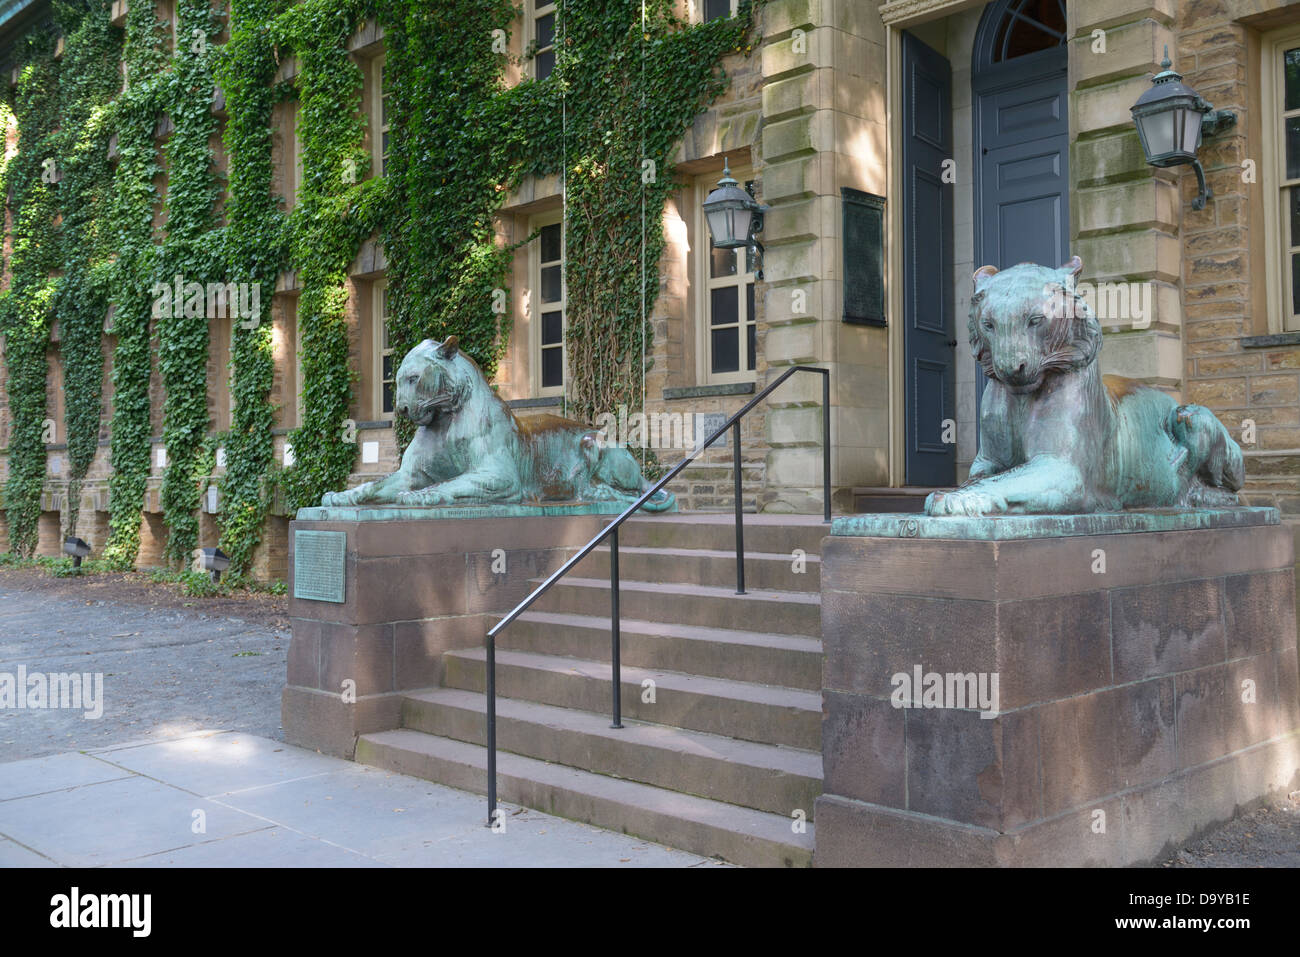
(212, 764)
(272, 847)
(56, 772)
(408, 822)
(116, 821)
(15, 855)
(268, 804)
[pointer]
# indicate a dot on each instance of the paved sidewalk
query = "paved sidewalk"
(229, 799)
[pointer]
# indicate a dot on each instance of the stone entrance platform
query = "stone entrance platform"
(412, 587)
(1146, 671)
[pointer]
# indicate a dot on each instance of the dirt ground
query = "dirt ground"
(135, 588)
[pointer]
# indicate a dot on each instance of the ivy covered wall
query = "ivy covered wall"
(139, 197)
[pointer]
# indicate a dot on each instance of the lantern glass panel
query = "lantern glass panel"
(1191, 120)
(1159, 130)
(722, 226)
(740, 225)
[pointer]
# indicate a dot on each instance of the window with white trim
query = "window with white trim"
(726, 301)
(379, 116)
(385, 363)
(543, 37)
(547, 303)
(1280, 64)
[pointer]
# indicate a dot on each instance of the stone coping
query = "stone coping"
(1012, 527)
(402, 513)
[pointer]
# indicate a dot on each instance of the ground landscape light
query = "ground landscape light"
(734, 216)
(77, 548)
(1171, 119)
(214, 560)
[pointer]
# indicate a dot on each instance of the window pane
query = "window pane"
(722, 262)
(1295, 284)
(388, 397)
(552, 328)
(713, 9)
(545, 64)
(552, 367)
(552, 282)
(545, 30)
(749, 301)
(551, 250)
(1292, 61)
(724, 306)
(1293, 203)
(726, 351)
(1293, 147)
(752, 337)
(388, 368)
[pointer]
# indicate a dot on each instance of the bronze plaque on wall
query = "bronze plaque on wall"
(864, 257)
(319, 565)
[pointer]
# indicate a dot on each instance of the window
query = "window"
(379, 116)
(727, 306)
(1281, 110)
(385, 365)
(293, 169)
(547, 304)
(543, 38)
(718, 9)
(1028, 26)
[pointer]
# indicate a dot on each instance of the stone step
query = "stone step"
(735, 834)
(764, 532)
(906, 499)
(780, 780)
(737, 709)
(781, 612)
(707, 566)
(790, 661)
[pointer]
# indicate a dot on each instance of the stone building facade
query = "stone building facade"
(980, 130)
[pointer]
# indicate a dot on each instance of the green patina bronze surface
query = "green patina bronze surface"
(1001, 528)
(392, 513)
(471, 450)
(1058, 437)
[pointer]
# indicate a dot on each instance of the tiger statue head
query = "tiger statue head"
(434, 381)
(1029, 321)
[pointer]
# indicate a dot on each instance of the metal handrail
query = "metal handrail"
(611, 531)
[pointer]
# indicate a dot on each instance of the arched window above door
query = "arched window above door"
(1017, 28)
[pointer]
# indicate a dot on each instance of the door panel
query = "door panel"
(1024, 173)
(927, 266)
(1022, 150)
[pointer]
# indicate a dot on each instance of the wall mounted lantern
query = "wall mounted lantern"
(1171, 119)
(734, 217)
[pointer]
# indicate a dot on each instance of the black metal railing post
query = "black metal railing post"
(740, 522)
(826, 446)
(491, 664)
(616, 671)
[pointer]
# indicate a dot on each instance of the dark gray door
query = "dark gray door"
(928, 342)
(1023, 141)
(1022, 137)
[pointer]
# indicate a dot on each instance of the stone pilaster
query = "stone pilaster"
(1124, 216)
(824, 127)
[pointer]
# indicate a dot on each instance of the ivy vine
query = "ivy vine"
(630, 77)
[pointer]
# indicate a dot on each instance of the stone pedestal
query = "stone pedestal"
(1146, 681)
(416, 582)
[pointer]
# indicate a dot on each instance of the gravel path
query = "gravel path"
(165, 671)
